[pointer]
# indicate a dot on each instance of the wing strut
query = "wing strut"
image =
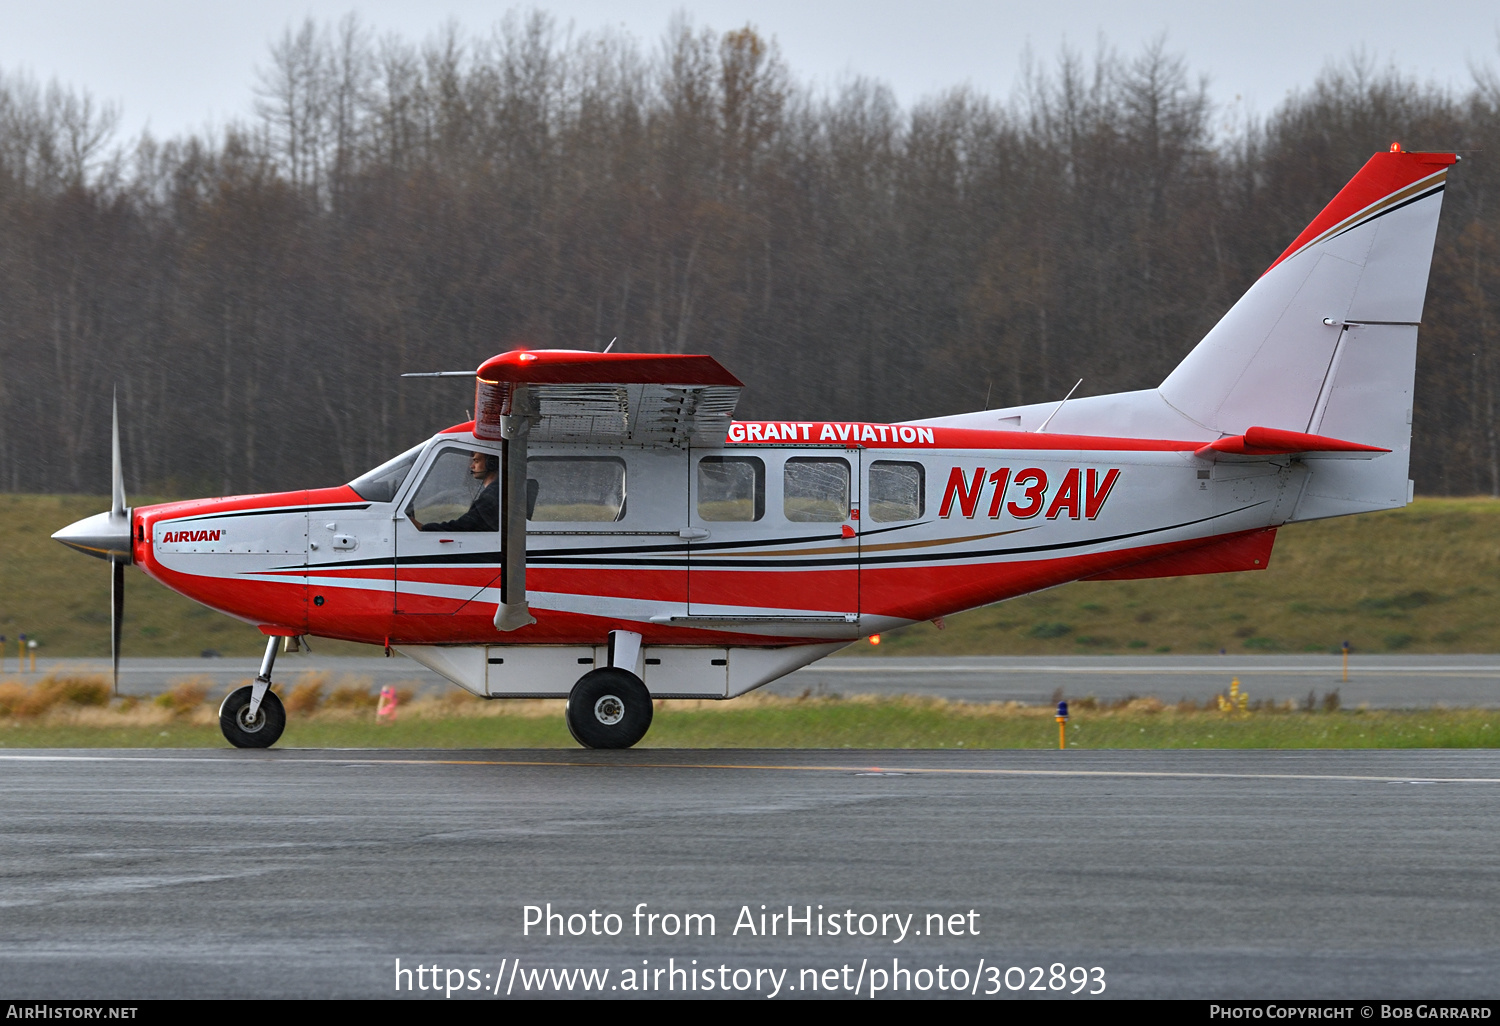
(512, 612)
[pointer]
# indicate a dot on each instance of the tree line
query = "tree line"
(254, 293)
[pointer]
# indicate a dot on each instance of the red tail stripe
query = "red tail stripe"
(1382, 175)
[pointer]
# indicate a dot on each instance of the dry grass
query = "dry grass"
(315, 697)
(306, 696)
(78, 700)
(185, 697)
(23, 701)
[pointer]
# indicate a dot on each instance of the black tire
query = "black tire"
(239, 731)
(609, 708)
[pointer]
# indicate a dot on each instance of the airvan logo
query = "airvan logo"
(178, 537)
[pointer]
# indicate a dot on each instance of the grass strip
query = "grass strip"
(884, 723)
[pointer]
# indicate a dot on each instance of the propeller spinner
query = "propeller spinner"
(107, 536)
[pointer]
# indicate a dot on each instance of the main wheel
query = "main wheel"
(243, 732)
(609, 708)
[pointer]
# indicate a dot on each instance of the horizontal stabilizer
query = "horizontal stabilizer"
(1260, 442)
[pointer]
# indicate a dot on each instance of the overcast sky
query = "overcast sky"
(179, 65)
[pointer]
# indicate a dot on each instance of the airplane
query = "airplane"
(604, 531)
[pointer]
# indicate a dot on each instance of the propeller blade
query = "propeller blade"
(117, 472)
(116, 615)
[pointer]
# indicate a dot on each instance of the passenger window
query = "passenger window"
(458, 492)
(731, 488)
(897, 491)
(575, 488)
(816, 490)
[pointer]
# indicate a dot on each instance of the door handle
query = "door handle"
(693, 533)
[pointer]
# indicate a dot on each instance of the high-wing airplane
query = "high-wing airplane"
(604, 531)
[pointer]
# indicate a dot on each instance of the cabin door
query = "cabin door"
(604, 532)
(455, 552)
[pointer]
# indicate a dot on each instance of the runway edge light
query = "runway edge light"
(1062, 726)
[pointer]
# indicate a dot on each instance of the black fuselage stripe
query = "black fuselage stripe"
(697, 549)
(701, 563)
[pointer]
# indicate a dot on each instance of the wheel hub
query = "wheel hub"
(609, 710)
(249, 724)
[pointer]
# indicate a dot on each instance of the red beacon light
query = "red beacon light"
(1395, 147)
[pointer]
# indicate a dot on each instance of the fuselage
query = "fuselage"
(604, 530)
(790, 532)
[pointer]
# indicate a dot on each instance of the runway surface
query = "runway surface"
(1381, 682)
(1179, 874)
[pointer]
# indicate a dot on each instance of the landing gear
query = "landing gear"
(246, 730)
(252, 716)
(608, 708)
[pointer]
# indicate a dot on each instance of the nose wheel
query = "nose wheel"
(244, 730)
(609, 708)
(253, 717)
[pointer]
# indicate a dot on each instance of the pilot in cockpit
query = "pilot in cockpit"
(484, 512)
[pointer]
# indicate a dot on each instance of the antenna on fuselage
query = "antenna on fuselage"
(1059, 407)
(611, 343)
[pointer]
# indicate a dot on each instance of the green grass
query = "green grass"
(459, 722)
(1422, 579)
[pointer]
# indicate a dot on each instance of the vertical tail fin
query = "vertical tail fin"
(1325, 341)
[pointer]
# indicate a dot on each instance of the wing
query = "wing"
(647, 399)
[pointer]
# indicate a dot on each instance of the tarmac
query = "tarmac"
(1226, 874)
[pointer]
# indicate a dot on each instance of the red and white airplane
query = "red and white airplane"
(604, 531)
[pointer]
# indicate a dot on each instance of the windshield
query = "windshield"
(382, 483)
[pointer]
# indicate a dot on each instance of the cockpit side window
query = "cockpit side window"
(382, 483)
(458, 494)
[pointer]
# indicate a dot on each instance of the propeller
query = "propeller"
(107, 536)
(116, 617)
(119, 515)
